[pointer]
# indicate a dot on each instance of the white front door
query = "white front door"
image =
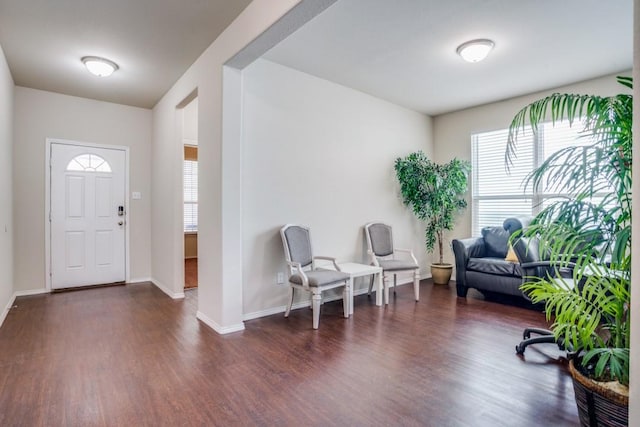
(87, 215)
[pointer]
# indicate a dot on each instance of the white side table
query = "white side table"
(354, 270)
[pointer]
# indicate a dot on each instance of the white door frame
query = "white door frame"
(47, 201)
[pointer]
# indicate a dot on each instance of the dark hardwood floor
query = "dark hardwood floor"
(131, 356)
(191, 273)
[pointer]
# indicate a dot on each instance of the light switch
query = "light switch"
(136, 195)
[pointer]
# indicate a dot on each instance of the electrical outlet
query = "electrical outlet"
(280, 278)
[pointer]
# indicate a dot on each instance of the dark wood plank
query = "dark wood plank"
(191, 273)
(132, 356)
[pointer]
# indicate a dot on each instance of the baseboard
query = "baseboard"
(31, 292)
(303, 304)
(174, 295)
(222, 330)
(139, 280)
(275, 310)
(191, 257)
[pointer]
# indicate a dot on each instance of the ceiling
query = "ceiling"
(404, 51)
(401, 50)
(153, 41)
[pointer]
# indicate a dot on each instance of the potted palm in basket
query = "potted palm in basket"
(588, 228)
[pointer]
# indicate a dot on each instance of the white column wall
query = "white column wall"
(634, 391)
(6, 187)
(322, 155)
(219, 293)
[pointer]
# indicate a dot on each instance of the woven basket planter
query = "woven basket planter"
(598, 405)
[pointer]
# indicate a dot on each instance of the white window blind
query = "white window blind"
(498, 193)
(190, 195)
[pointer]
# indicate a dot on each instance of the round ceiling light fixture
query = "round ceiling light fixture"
(100, 67)
(475, 50)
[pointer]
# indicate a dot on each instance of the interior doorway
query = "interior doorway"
(190, 185)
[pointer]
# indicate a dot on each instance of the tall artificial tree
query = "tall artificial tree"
(435, 192)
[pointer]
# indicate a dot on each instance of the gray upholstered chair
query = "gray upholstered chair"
(382, 254)
(303, 274)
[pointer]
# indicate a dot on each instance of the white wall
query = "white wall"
(452, 132)
(40, 115)
(6, 186)
(190, 123)
(319, 154)
(219, 285)
(634, 392)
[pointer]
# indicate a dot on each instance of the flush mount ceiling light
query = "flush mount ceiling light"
(99, 66)
(475, 50)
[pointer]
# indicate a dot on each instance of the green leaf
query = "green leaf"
(591, 235)
(434, 192)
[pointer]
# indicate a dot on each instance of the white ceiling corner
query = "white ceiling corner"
(404, 51)
(152, 41)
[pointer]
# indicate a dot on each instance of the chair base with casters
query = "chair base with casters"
(534, 263)
(544, 336)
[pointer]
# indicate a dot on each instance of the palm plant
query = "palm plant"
(589, 229)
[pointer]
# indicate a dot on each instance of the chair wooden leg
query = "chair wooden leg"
(288, 310)
(385, 284)
(371, 284)
(315, 306)
(379, 287)
(347, 299)
(416, 285)
(395, 278)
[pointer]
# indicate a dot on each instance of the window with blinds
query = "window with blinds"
(190, 195)
(498, 193)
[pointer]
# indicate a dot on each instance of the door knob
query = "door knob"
(120, 222)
